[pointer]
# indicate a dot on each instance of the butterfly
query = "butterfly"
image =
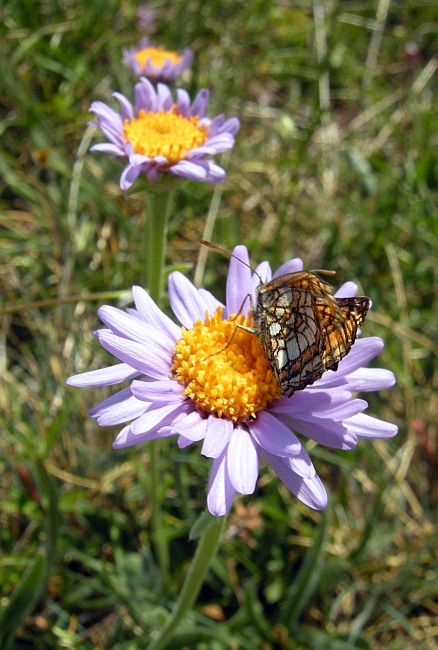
(303, 328)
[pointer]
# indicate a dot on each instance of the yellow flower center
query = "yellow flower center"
(164, 134)
(157, 56)
(224, 368)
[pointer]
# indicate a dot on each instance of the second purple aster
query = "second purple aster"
(158, 134)
(156, 63)
(145, 18)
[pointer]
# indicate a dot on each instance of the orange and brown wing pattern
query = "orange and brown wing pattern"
(287, 323)
(306, 280)
(304, 330)
(340, 318)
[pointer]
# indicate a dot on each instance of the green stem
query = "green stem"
(205, 552)
(160, 543)
(155, 239)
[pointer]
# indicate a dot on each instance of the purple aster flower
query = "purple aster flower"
(156, 63)
(161, 136)
(192, 382)
(145, 18)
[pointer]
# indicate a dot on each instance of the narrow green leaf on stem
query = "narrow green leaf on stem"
(205, 552)
(307, 578)
(49, 493)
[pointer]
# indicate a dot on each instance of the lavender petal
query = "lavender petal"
(218, 433)
(220, 491)
(166, 390)
(308, 490)
(129, 175)
(187, 303)
(369, 379)
(365, 426)
(125, 105)
(106, 147)
(347, 290)
(155, 418)
(243, 461)
(104, 376)
(150, 313)
(200, 103)
(182, 102)
(118, 408)
(239, 282)
(273, 436)
(289, 267)
(330, 434)
(144, 357)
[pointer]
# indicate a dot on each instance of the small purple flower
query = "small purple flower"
(159, 135)
(228, 399)
(145, 18)
(156, 63)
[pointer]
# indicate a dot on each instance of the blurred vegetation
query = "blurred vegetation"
(336, 162)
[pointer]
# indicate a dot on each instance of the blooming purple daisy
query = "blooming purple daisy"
(160, 136)
(156, 63)
(192, 382)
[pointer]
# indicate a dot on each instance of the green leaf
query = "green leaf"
(22, 601)
(200, 525)
(307, 578)
(321, 640)
(49, 492)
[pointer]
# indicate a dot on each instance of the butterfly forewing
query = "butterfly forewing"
(299, 280)
(287, 324)
(304, 330)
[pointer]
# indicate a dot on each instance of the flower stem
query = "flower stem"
(160, 544)
(205, 552)
(155, 238)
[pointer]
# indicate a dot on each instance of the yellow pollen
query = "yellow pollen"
(230, 378)
(164, 134)
(157, 56)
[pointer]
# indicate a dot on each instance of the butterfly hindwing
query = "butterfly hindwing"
(341, 322)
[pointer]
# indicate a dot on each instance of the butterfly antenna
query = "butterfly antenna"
(223, 250)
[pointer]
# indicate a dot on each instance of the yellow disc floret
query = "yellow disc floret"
(165, 133)
(157, 57)
(224, 368)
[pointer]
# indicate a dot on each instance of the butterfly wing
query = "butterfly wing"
(340, 318)
(287, 323)
(303, 328)
(301, 280)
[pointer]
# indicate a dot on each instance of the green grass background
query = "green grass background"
(335, 162)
